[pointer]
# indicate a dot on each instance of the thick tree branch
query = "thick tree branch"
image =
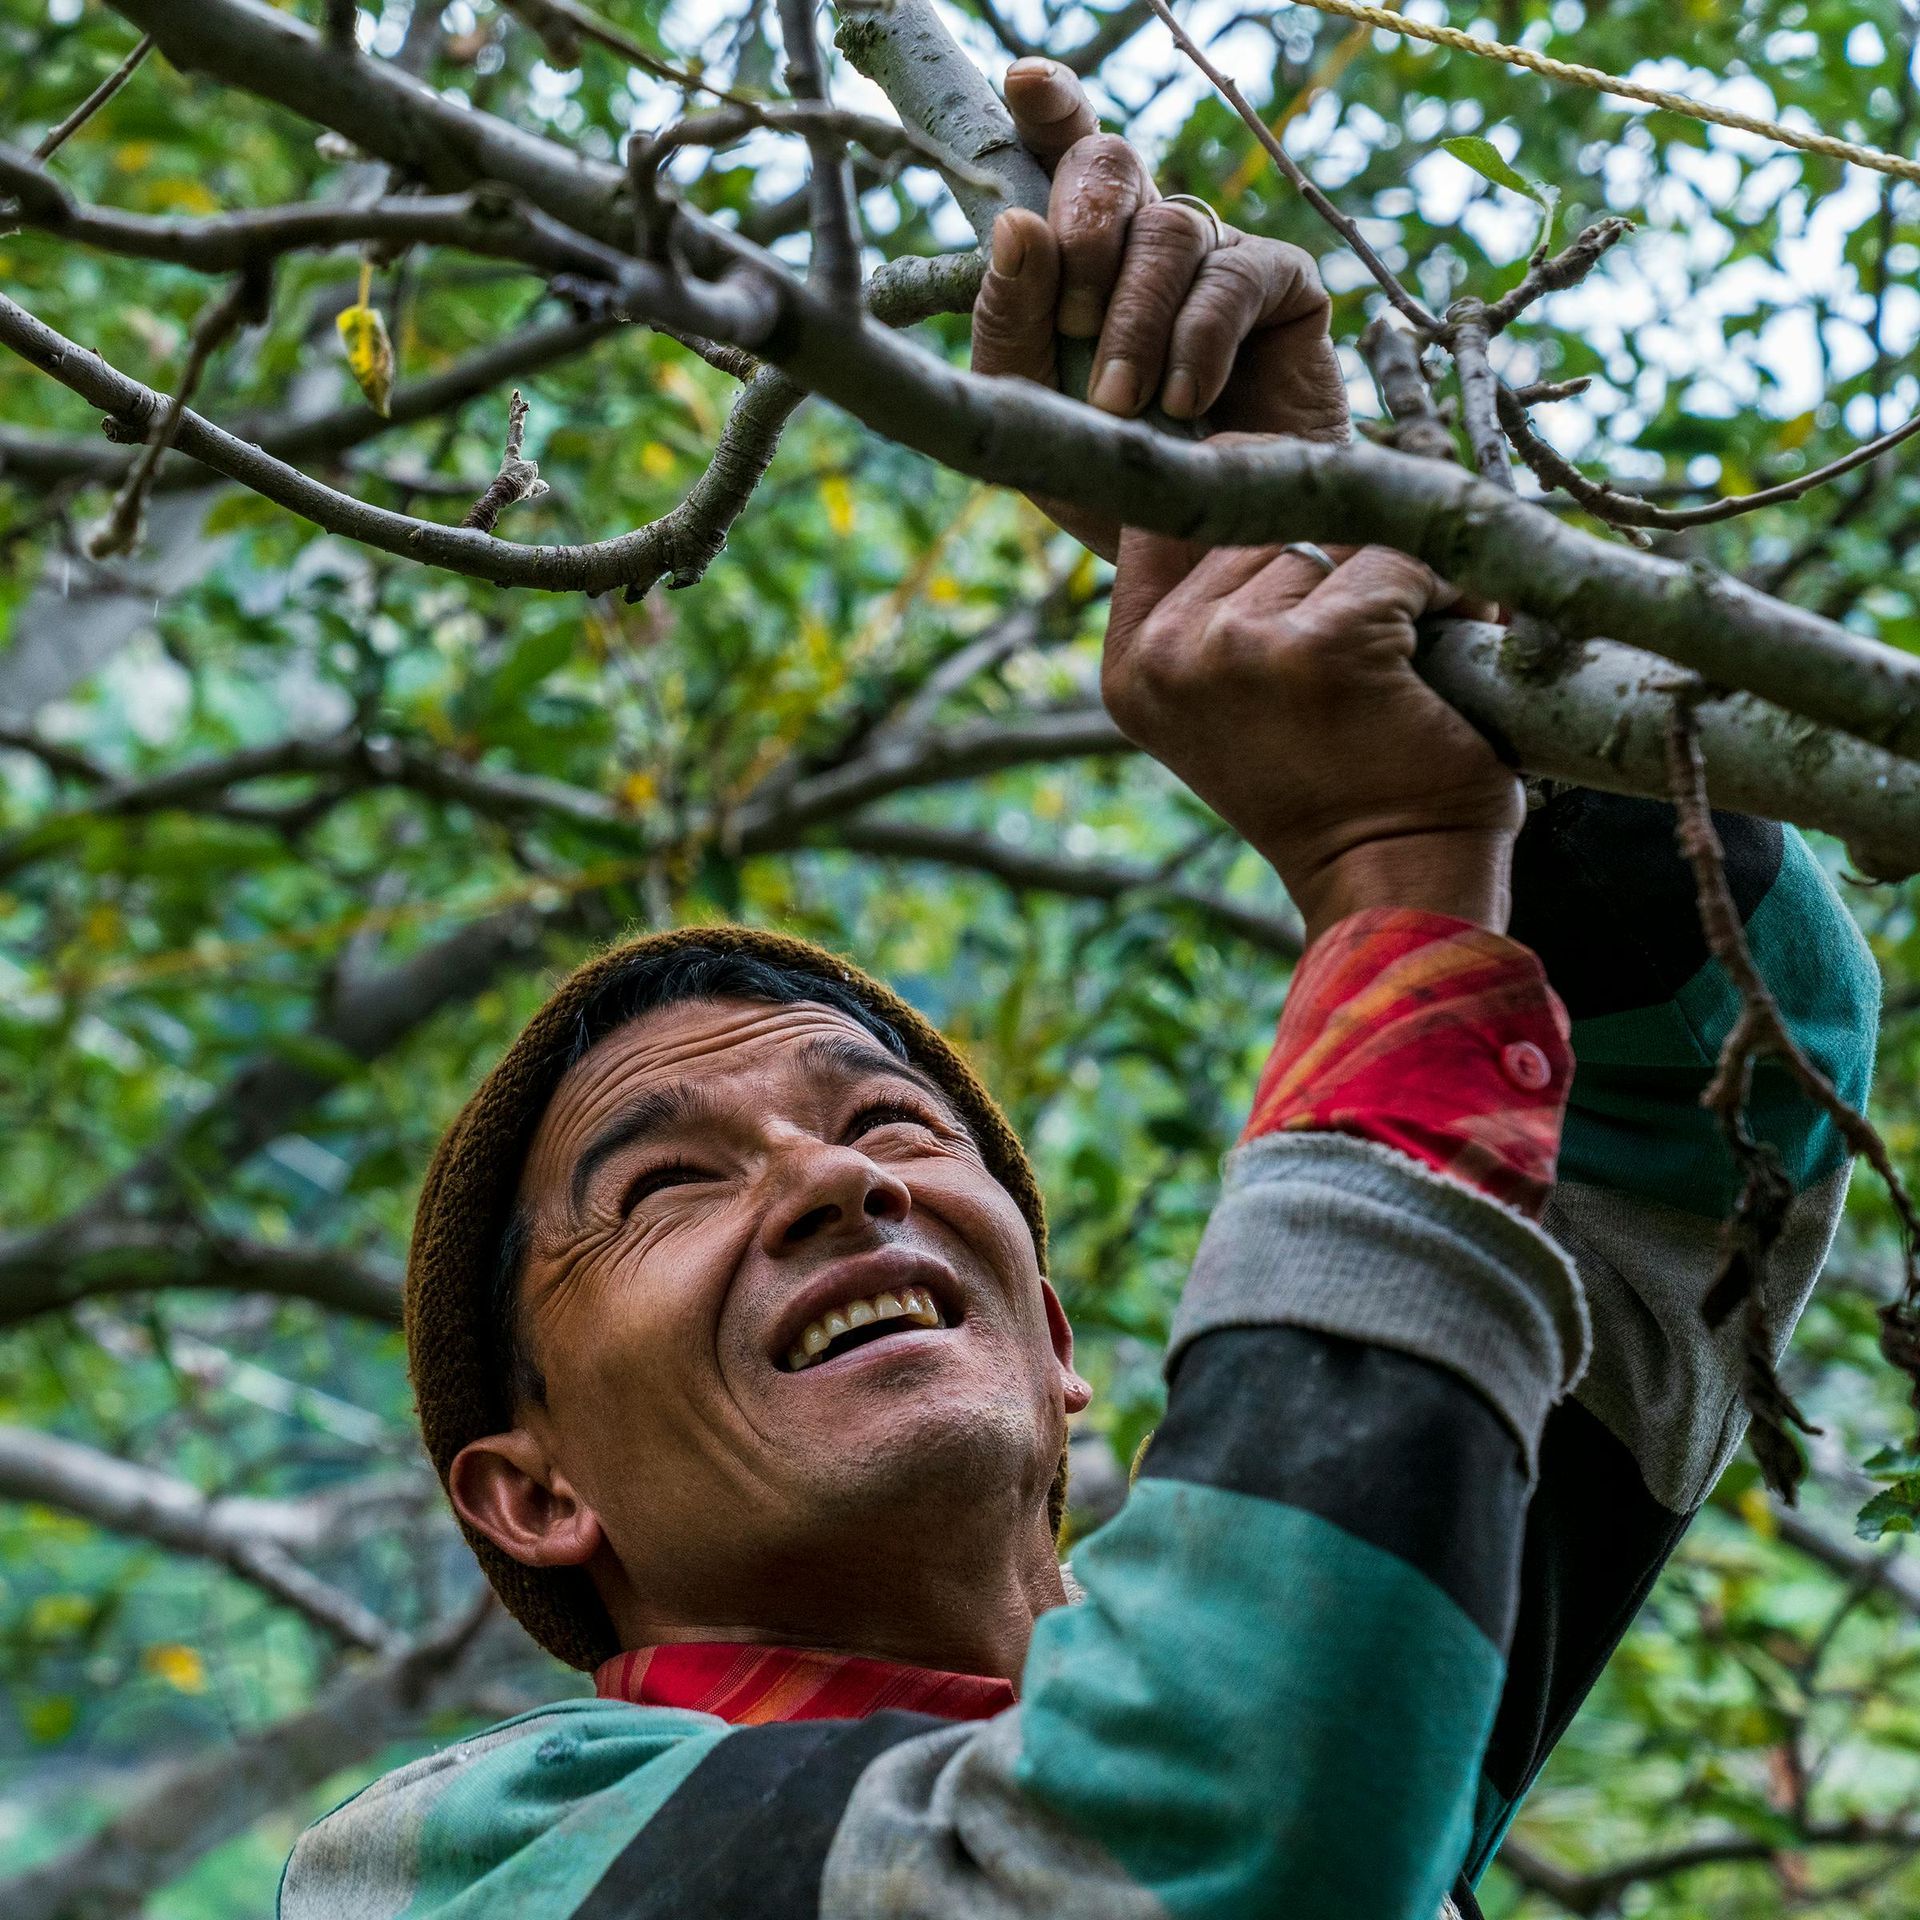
(136, 1500)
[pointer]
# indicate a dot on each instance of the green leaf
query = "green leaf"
(1487, 160)
(1893, 1509)
(1894, 1462)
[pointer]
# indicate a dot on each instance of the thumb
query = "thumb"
(1150, 566)
(1013, 318)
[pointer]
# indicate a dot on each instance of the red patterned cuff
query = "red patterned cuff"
(1430, 1035)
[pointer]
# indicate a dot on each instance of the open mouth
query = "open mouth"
(858, 1323)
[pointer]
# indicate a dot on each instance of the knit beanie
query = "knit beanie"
(459, 1382)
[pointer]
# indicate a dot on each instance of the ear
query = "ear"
(508, 1488)
(1077, 1391)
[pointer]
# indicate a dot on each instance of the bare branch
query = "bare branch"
(1469, 334)
(1393, 356)
(486, 222)
(94, 101)
(836, 239)
(126, 1498)
(1599, 1892)
(1389, 282)
(88, 1257)
(322, 436)
(1759, 1215)
(518, 478)
(1629, 510)
(1553, 275)
(67, 763)
(243, 304)
(179, 1810)
(1277, 933)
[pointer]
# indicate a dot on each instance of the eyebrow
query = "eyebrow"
(674, 1108)
(669, 1109)
(832, 1053)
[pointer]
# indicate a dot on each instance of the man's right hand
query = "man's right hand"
(1285, 697)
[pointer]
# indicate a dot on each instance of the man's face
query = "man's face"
(779, 1303)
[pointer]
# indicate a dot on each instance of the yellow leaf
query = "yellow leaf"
(837, 497)
(176, 194)
(101, 927)
(369, 354)
(1757, 1511)
(1796, 432)
(676, 380)
(180, 1667)
(637, 789)
(943, 589)
(131, 155)
(657, 459)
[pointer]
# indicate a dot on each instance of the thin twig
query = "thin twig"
(1760, 1031)
(1543, 393)
(243, 303)
(94, 101)
(518, 478)
(1556, 273)
(1389, 281)
(830, 199)
(1628, 510)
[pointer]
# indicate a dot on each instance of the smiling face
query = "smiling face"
(802, 1372)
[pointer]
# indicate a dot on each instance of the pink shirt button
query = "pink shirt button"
(1526, 1066)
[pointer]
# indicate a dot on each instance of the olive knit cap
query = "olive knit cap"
(467, 1203)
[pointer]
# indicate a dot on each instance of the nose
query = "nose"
(829, 1189)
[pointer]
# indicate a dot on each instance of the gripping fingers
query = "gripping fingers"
(1098, 186)
(1013, 317)
(1165, 245)
(1257, 283)
(1050, 109)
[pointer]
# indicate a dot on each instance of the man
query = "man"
(732, 1339)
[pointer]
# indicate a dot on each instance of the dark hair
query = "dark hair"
(647, 984)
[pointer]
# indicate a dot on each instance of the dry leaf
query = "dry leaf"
(369, 353)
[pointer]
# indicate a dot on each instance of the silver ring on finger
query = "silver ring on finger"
(1215, 226)
(1320, 557)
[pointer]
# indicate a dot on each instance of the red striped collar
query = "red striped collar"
(752, 1685)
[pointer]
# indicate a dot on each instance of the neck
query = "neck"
(943, 1604)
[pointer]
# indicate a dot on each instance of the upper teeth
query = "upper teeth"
(909, 1303)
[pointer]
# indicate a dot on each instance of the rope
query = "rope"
(1597, 82)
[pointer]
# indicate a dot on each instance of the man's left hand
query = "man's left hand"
(1224, 324)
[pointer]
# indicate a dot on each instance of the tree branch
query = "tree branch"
(321, 436)
(1388, 281)
(1276, 933)
(1629, 510)
(179, 1810)
(136, 1500)
(88, 1257)
(94, 101)
(518, 478)
(836, 239)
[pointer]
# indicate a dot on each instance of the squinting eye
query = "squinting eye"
(886, 1113)
(675, 1174)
